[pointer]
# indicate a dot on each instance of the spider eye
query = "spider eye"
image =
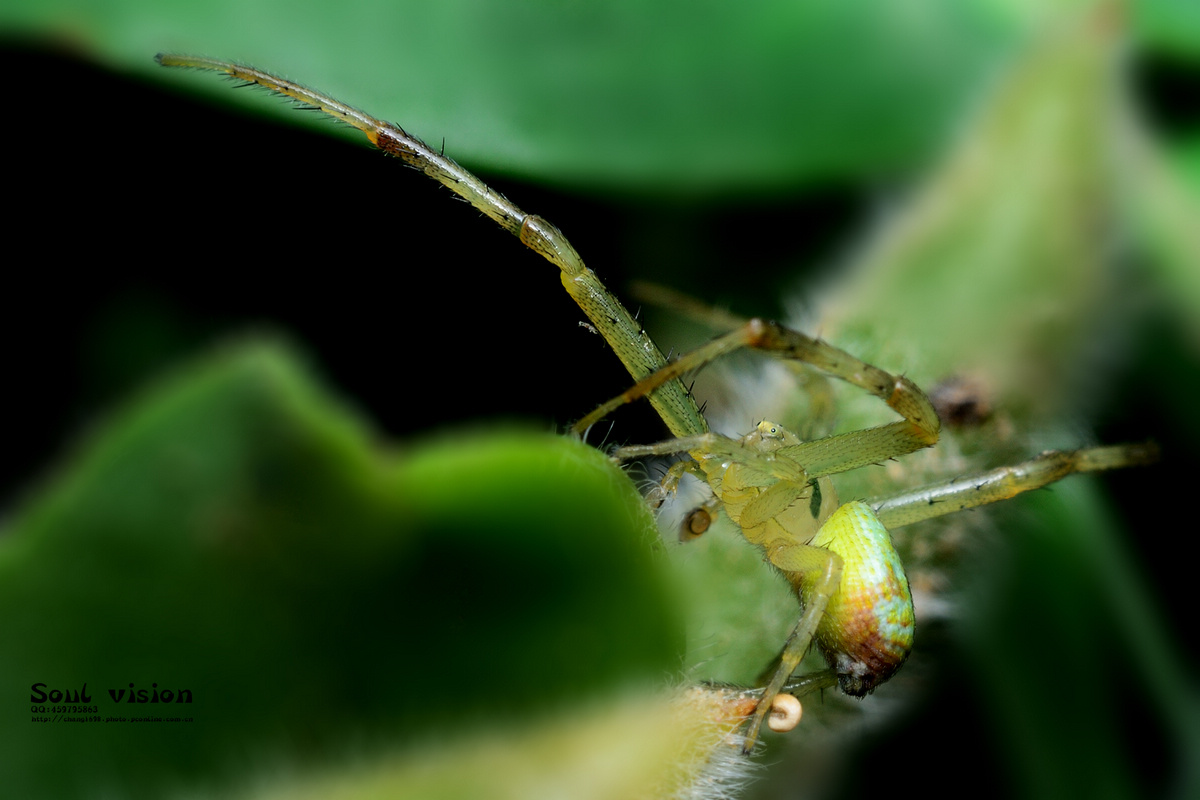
(770, 429)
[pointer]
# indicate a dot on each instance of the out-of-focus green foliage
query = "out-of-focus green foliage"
(236, 533)
(662, 96)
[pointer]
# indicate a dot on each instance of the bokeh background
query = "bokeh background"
(743, 157)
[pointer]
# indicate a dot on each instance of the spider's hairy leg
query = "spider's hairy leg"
(821, 414)
(685, 305)
(820, 570)
(918, 429)
(947, 497)
(699, 519)
(675, 473)
(628, 340)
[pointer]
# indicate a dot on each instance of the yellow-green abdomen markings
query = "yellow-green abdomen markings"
(867, 630)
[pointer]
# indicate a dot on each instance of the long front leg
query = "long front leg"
(631, 343)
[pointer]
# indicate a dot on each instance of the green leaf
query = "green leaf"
(236, 534)
(665, 96)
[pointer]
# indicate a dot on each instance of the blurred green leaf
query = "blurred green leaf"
(1172, 25)
(664, 96)
(1070, 646)
(235, 533)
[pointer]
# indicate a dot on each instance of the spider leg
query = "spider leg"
(676, 471)
(918, 429)
(1002, 483)
(823, 569)
(700, 519)
(631, 343)
(715, 445)
(819, 417)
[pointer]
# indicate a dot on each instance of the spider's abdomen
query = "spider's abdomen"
(867, 630)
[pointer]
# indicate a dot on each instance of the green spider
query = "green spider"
(855, 599)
